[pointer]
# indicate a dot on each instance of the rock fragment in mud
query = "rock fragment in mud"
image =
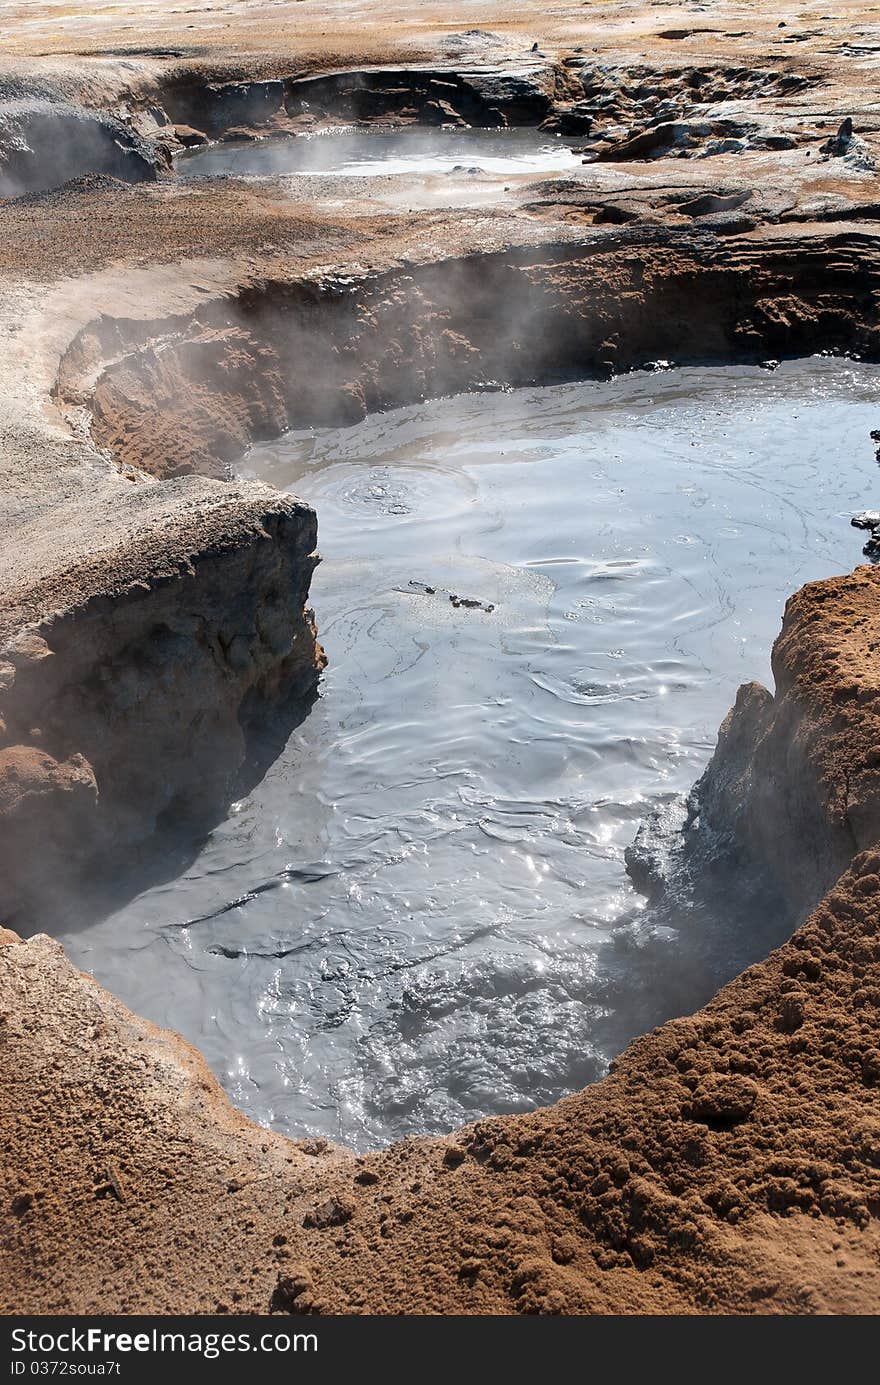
(292, 1292)
(870, 520)
(846, 144)
(189, 137)
(652, 856)
(471, 603)
(678, 139)
(709, 203)
(454, 1155)
(728, 223)
(839, 144)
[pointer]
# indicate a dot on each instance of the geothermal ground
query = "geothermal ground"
(185, 275)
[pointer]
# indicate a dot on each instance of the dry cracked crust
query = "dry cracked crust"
(731, 1160)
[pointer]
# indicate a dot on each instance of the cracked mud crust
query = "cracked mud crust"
(151, 327)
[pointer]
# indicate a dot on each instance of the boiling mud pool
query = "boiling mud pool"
(368, 154)
(421, 913)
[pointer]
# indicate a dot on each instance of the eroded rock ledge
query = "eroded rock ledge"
(129, 714)
(794, 783)
(190, 396)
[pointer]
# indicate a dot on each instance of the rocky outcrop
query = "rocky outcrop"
(481, 96)
(794, 784)
(573, 96)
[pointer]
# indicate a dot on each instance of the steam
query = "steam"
(44, 144)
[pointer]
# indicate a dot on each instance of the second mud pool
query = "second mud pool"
(537, 607)
(415, 151)
(414, 167)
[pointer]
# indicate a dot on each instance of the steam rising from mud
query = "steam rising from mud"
(45, 143)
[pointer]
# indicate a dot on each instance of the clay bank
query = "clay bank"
(158, 645)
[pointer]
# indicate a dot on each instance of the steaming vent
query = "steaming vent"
(44, 144)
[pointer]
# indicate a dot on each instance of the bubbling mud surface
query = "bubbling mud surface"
(537, 607)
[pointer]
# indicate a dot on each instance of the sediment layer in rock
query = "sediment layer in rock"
(297, 354)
